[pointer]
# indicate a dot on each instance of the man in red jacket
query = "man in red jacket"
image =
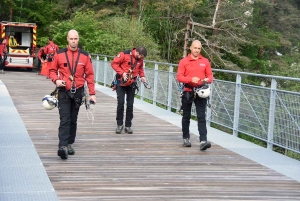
(194, 70)
(2, 54)
(41, 59)
(50, 50)
(75, 69)
(128, 65)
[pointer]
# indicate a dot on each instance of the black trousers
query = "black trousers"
(200, 103)
(39, 65)
(2, 62)
(121, 91)
(68, 106)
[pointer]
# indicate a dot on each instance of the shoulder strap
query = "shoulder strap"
(72, 70)
(132, 65)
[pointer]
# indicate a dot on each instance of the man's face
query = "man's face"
(139, 56)
(73, 40)
(195, 49)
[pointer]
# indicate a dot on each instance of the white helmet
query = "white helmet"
(203, 92)
(49, 102)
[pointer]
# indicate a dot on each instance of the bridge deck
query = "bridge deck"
(150, 164)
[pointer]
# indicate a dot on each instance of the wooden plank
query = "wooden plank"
(150, 164)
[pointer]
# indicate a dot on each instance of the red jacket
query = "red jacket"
(51, 48)
(122, 63)
(189, 68)
(41, 54)
(2, 49)
(84, 71)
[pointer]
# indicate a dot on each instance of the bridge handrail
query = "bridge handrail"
(265, 113)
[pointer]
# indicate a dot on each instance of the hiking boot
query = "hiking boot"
(63, 152)
(186, 142)
(204, 145)
(71, 151)
(119, 129)
(128, 130)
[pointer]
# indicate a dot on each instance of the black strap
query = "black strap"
(132, 65)
(76, 63)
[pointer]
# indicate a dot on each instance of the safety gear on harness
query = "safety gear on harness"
(49, 102)
(203, 91)
(130, 79)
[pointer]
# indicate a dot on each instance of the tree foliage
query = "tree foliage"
(251, 35)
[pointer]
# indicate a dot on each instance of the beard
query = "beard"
(73, 45)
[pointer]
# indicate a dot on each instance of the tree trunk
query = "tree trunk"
(11, 10)
(135, 8)
(186, 38)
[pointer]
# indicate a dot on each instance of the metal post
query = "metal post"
(142, 87)
(105, 71)
(97, 69)
(208, 110)
(170, 88)
(272, 114)
(155, 84)
(237, 105)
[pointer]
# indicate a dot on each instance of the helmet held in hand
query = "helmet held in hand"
(203, 92)
(49, 102)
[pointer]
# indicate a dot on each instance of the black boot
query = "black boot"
(205, 145)
(119, 129)
(128, 130)
(63, 152)
(186, 142)
(71, 150)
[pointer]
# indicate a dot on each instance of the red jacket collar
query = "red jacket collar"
(69, 49)
(190, 57)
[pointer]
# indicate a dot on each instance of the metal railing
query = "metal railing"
(265, 113)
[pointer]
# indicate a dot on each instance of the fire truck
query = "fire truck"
(21, 43)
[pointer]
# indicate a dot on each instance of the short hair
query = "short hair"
(50, 38)
(142, 51)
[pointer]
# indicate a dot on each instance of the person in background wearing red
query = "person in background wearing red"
(128, 60)
(2, 54)
(50, 50)
(194, 70)
(41, 59)
(71, 68)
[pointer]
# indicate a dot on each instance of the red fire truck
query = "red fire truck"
(21, 43)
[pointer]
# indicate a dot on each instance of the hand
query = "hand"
(125, 76)
(195, 80)
(60, 83)
(42, 61)
(93, 98)
(206, 80)
(143, 79)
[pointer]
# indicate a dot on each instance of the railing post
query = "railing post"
(208, 111)
(237, 105)
(142, 87)
(271, 114)
(170, 88)
(105, 71)
(155, 84)
(97, 68)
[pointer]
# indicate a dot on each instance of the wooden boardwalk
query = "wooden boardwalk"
(150, 164)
